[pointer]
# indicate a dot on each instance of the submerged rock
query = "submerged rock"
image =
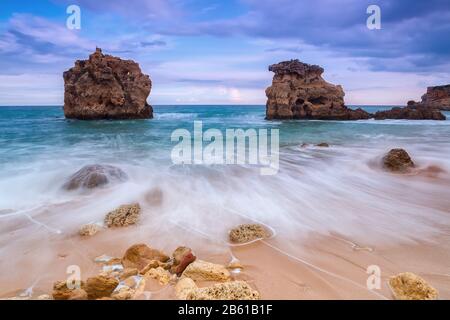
(62, 292)
(411, 112)
(408, 286)
(106, 87)
(323, 145)
(186, 289)
(140, 255)
(398, 160)
(206, 271)
(124, 216)
(298, 91)
(88, 230)
(100, 286)
(93, 176)
(248, 232)
(182, 257)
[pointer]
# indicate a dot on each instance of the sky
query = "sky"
(218, 52)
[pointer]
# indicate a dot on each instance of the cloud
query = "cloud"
(409, 28)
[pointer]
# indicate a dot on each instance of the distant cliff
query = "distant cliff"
(437, 97)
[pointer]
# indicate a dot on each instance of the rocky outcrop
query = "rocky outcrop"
(398, 160)
(93, 176)
(437, 97)
(411, 112)
(106, 87)
(408, 286)
(248, 232)
(123, 216)
(298, 91)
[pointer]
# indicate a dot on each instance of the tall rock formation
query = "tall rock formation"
(106, 87)
(436, 97)
(298, 91)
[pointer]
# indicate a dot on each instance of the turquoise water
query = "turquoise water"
(40, 149)
(29, 133)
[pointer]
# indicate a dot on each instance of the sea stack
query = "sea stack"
(437, 97)
(106, 87)
(298, 91)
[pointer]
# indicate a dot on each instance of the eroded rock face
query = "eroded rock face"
(408, 286)
(437, 97)
(248, 232)
(186, 289)
(411, 112)
(200, 270)
(298, 91)
(106, 87)
(123, 216)
(100, 286)
(398, 160)
(62, 292)
(93, 176)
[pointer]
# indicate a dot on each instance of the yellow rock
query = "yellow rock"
(88, 230)
(123, 216)
(186, 289)
(207, 271)
(163, 276)
(248, 232)
(408, 286)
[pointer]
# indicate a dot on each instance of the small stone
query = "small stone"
(163, 276)
(88, 230)
(155, 264)
(62, 292)
(323, 145)
(182, 257)
(44, 297)
(123, 293)
(140, 255)
(100, 286)
(123, 216)
(248, 232)
(207, 271)
(129, 272)
(408, 286)
(186, 289)
(398, 160)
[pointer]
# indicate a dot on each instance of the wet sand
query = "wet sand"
(316, 267)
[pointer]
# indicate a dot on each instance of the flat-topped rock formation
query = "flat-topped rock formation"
(106, 87)
(437, 97)
(298, 91)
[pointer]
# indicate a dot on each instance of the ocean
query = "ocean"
(40, 149)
